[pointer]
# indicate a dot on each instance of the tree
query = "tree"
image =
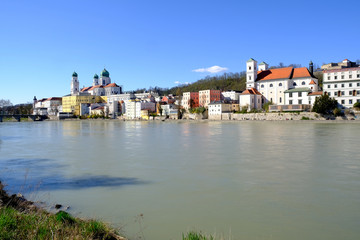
(5, 103)
(324, 104)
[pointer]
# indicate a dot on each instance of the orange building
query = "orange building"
(190, 100)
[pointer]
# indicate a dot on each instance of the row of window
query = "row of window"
(350, 101)
(343, 77)
(343, 85)
(280, 84)
(299, 94)
(342, 93)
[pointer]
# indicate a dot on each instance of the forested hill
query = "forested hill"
(227, 81)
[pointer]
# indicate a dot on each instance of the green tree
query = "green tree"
(324, 104)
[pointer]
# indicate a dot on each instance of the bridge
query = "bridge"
(18, 117)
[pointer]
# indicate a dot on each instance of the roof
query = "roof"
(297, 90)
(301, 72)
(85, 89)
(54, 99)
(277, 73)
(111, 85)
(315, 93)
(312, 82)
(251, 91)
(250, 60)
(263, 63)
(283, 73)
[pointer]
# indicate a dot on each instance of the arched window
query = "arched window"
(280, 84)
(262, 85)
(271, 85)
(280, 100)
(294, 84)
(303, 83)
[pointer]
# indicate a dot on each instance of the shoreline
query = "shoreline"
(25, 219)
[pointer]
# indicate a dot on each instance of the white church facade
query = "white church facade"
(101, 86)
(277, 85)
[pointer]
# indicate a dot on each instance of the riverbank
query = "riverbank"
(22, 219)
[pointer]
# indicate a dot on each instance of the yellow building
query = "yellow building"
(71, 104)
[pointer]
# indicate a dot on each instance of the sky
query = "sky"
(146, 43)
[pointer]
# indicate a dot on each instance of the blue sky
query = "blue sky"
(157, 43)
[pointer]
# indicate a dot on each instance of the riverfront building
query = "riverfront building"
(275, 85)
(342, 82)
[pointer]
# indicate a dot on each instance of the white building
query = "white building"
(251, 98)
(215, 109)
(133, 109)
(47, 106)
(342, 82)
(272, 84)
(230, 96)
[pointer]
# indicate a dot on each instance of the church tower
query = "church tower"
(96, 80)
(105, 78)
(251, 73)
(74, 84)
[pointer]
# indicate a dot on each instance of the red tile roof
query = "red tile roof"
(276, 73)
(85, 89)
(312, 82)
(301, 72)
(112, 85)
(251, 91)
(281, 73)
(315, 93)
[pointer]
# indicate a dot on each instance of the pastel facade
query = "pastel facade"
(342, 82)
(190, 100)
(208, 96)
(71, 104)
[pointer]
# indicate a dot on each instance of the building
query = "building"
(47, 106)
(72, 103)
(274, 84)
(208, 96)
(251, 99)
(230, 96)
(216, 109)
(133, 109)
(190, 100)
(342, 82)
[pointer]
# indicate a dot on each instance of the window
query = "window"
(335, 77)
(342, 101)
(328, 77)
(280, 100)
(294, 84)
(262, 85)
(250, 68)
(350, 93)
(357, 92)
(342, 76)
(350, 101)
(290, 94)
(271, 85)
(358, 84)
(350, 84)
(303, 83)
(249, 77)
(358, 76)
(290, 102)
(350, 76)
(300, 94)
(300, 101)
(329, 86)
(358, 100)
(329, 93)
(335, 86)
(342, 85)
(342, 93)
(280, 84)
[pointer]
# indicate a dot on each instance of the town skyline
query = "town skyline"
(161, 44)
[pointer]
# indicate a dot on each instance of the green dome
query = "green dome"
(105, 73)
(74, 74)
(96, 76)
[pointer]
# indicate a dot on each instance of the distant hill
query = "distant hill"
(227, 81)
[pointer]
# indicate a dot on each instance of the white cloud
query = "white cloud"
(213, 69)
(177, 82)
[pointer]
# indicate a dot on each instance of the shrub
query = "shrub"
(337, 112)
(305, 118)
(266, 106)
(357, 105)
(324, 104)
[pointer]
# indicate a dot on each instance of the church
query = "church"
(277, 85)
(101, 86)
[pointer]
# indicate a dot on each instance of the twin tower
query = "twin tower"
(102, 81)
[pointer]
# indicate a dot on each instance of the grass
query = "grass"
(43, 225)
(196, 236)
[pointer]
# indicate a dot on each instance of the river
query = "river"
(157, 180)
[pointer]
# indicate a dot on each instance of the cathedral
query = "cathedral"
(101, 86)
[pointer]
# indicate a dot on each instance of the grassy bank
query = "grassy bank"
(21, 219)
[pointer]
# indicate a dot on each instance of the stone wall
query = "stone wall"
(277, 116)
